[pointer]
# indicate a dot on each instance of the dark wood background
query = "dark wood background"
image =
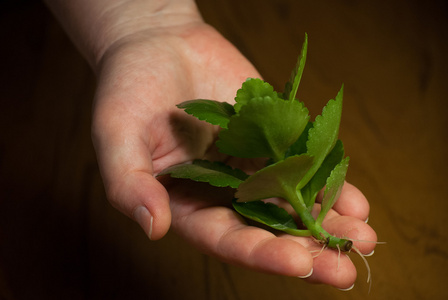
(60, 239)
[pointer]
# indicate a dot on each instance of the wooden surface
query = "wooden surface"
(60, 239)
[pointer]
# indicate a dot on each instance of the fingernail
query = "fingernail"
(307, 275)
(144, 219)
(367, 220)
(370, 254)
(347, 289)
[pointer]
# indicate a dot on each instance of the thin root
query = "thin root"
(369, 279)
(364, 241)
(324, 246)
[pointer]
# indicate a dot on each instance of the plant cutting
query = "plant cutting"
(302, 156)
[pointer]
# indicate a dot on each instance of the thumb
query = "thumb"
(130, 185)
(144, 199)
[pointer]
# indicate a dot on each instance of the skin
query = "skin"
(149, 56)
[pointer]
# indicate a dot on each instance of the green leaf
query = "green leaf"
(293, 84)
(253, 88)
(266, 213)
(324, 134)
(333, 189)
(310, 191)
(211, 111)
(264, 127)
(215, 173)
(277, 180)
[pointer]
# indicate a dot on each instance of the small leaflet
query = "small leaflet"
(317, 182)
(215, 173)
(293, 84)
(253, 88)
(333, 189)
(277, 180)
(266, 213)
(211, 111)
(324, 134)
(264, 127)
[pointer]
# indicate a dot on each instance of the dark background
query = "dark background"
(60, 239)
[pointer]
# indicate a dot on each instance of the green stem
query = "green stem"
(297, 202)
(315, 229)
(297, 232)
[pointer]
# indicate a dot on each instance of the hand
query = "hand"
(138, 132)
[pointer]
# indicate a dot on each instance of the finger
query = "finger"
(220, 232)
(125, 165)
(363, 236)
(364, 239)
(141, 197)
(331, 266)
(351, 202)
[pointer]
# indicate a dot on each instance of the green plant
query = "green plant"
(303, 157)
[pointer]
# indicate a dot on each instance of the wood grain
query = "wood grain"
(60, 239)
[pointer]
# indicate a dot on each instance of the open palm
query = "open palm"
(138, 131)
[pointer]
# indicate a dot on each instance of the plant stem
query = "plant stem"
(297, 202)
(315, 229)
(298, 232)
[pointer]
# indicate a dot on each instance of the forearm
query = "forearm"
(95, 25)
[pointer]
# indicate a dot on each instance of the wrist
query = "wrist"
(148, 17)
(95, 26)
